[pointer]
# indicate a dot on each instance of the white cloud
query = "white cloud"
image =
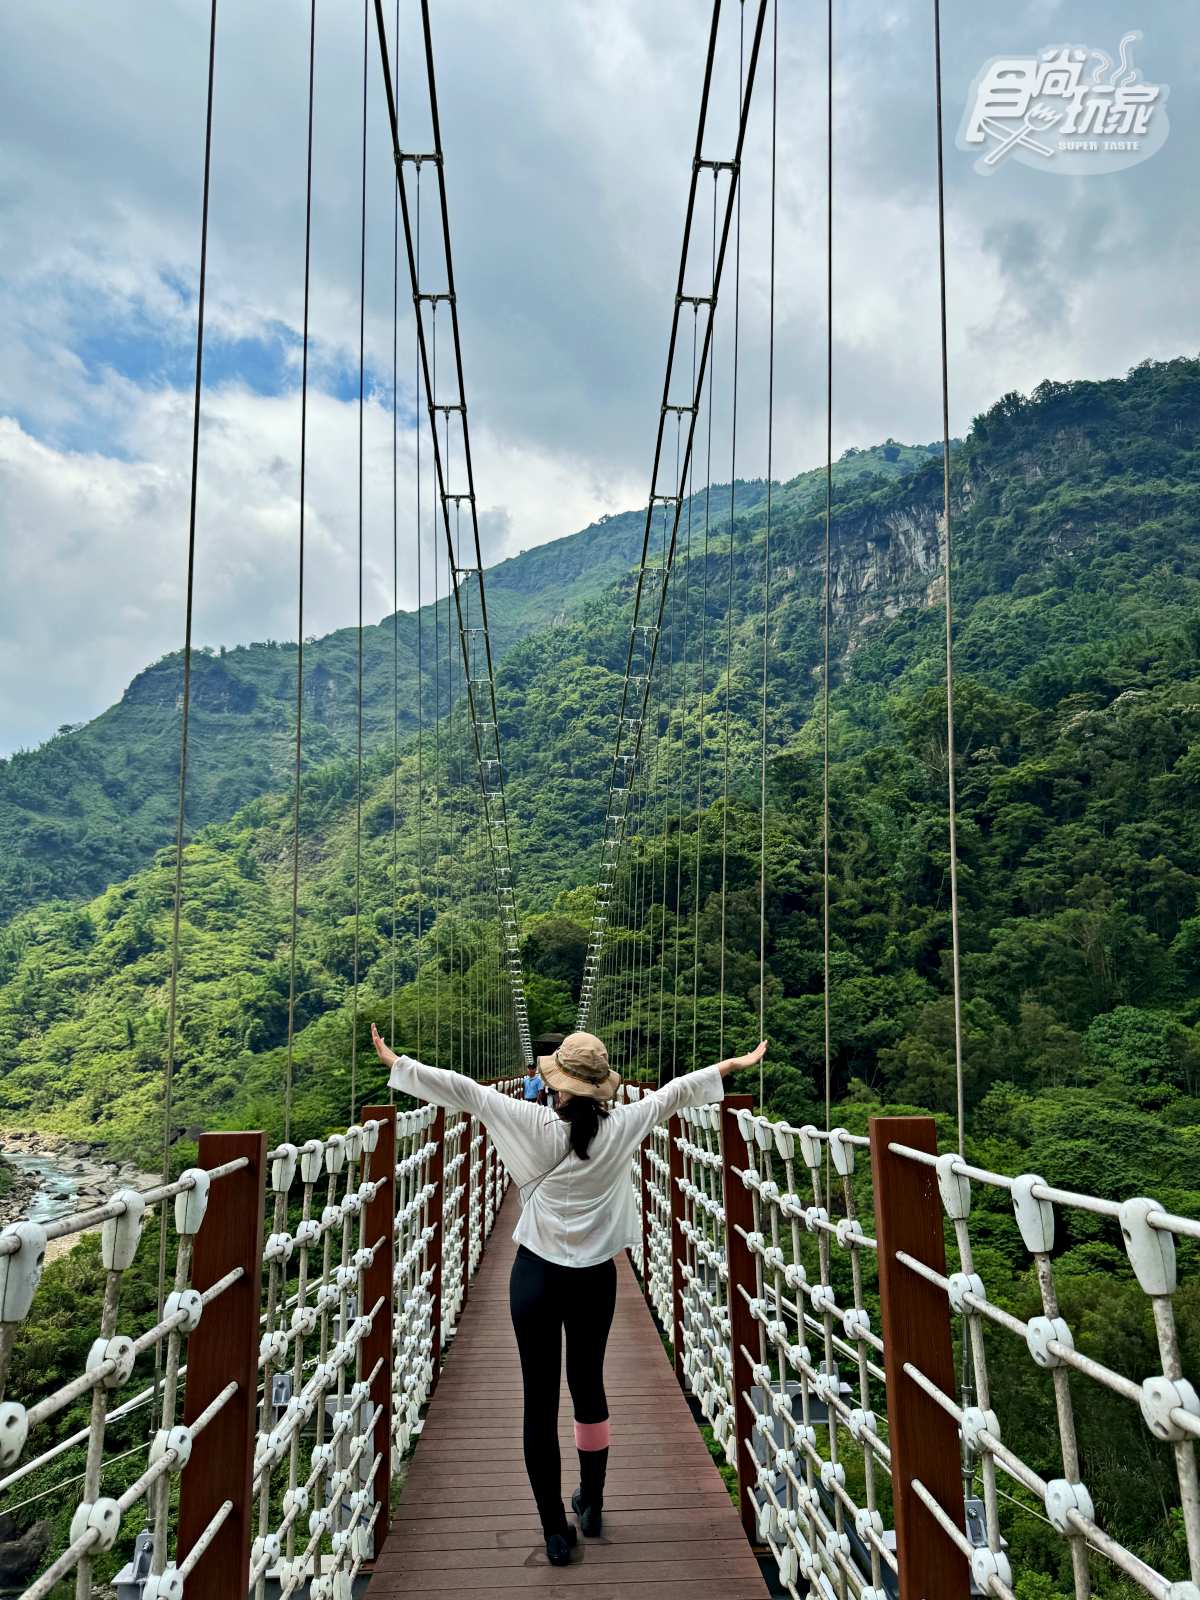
(568, 129)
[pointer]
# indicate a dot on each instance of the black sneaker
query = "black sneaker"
(591, 1518)
(559, 1547)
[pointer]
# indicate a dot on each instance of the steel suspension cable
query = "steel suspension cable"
(295, 908)
(703, 666)
(737, 316)
(766, 575)
(396, 592)
(480, 692)
(626, 722)
(420, 638)
(185, 708)
(947, 561)
(827, 597)
(358, 783)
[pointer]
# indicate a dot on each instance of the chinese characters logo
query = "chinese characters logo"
(1068, 110)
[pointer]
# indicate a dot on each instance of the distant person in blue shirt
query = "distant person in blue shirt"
(533, 1083)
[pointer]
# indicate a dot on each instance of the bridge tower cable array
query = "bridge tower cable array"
(653, 579)
(475, 642)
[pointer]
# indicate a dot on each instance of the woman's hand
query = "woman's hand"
(381, 1050)
(750, 1059)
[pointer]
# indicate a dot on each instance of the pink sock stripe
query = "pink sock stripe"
(591, 1435)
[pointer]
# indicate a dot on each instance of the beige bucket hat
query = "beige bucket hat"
(580, 1066)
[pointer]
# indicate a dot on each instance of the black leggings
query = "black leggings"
(545, 1299)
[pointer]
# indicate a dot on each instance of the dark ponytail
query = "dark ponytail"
(582, 1115)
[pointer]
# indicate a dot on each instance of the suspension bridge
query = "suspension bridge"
(802, 1365)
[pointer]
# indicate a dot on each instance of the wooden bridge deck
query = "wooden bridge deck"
(466, 1524)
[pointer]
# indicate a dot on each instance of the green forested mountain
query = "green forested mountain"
(1077, 583)
(1078, 690)
(92, 805)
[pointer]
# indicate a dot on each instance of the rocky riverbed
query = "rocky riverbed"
(53, 1176)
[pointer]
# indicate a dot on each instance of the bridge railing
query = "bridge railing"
(314, 1291)
(802, 1277)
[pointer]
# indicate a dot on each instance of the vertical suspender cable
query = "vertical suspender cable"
(396, 577)
(827, 598)
(420, 652)
(703, 652)
(291, 1022)
(358, 785)
(766, 578)
(737, 318)
(687, 568)
(947, 560)
(185, 708)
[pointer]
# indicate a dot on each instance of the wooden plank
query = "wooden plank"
(465, 1522)
(916, 1328)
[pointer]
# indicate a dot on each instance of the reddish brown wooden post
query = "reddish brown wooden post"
(378, 1285)
(916, 1328)
(465, 1205)
(437, 1177)
(645, 1181)
(223, 1347)
(675, 1209)
(739, 1212)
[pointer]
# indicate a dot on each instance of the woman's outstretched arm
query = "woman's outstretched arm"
(697, 1088)
(515, 1124)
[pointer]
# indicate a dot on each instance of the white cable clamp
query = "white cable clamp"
(191, 1204)
(283, 1167)
(833, 1472)
(312, 1159)
(370, 1135)
(810, 1145)
(764, 1137)
(1161, 1396)
(21, 1269)
(353, 1142)
(1183, 1591)
(794, 1275)
(304, 1319)
(785, 1141)
(120, 1235)
(857, 1323)
(1041, 1333)
(178, 1440)
(961, 1284)
(1035, 1218)
(119, 1352)
(335, 1153)
(278, 1248)
(745, 1121)
(954, 1188)
(266, 1544)
(867, 1523)
(989, 1564)
(186, 1302)
(1062, 1498)
(272, 1347)
(14, 1431)
(814, 1217)
(1151, 1250)
(862, 1422)
(768, 1521)
(836, 1544)
(320, 1520)
(102, 1517)
(842, 1151)
(976, 1421)
(166, 1585)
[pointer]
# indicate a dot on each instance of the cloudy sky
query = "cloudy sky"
(568, 127)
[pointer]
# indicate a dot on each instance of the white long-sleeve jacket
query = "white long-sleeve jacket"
(575, 1213)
